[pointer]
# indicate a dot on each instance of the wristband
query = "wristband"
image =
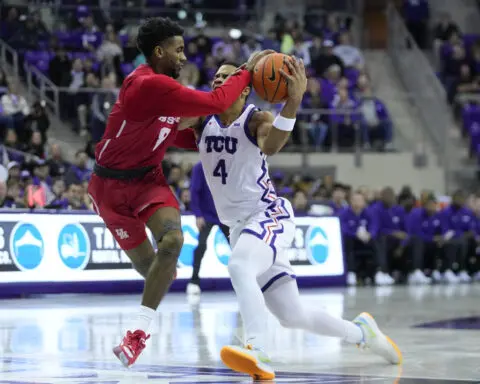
(284, 124)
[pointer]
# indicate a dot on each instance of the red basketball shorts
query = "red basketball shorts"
(126, 205)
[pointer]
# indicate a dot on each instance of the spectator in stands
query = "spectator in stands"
(102, 104)
(3, 81)
(14, 108)
(330, 82)
(10, 25)
(392, 237)
(315, 50)
(458, 227)
(453, 63)
(376, 124)
(338, 202)
(300, 202)
(11, 139)
(327, 59)
(462, 88)
(78, 172)
(14, 199)
(41, 177)
(58, 200)
(3, 193)
(37, 120)
(359, 229)
(350, 55)
(77, 198)
(108, 50)
(203, 42)
(60, 67)
(14, 169)
(130, 50)
(91, 37)
(57, 165)
(443, 31)
(345, 119)
(417, 15)
(332, 28)
(301, 50)
(474, 256)
(208, 70)
(26, 36)
(270, 41)
(315, 123)
(424, 228)
(35, 145)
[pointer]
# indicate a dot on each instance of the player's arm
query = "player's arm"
(273, 133)
(160, 95)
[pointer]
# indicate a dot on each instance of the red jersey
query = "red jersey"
(144, 120)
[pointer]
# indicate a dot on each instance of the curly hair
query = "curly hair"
(155, 31)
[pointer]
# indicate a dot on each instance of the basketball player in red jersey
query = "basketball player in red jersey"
(128, 188)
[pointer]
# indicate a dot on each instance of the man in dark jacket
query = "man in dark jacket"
(204, 210)
(359, 230)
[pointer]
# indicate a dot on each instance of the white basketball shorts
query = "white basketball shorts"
(276, 228)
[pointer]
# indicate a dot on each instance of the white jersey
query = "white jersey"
(235, 168)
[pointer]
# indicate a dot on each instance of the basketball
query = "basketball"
(268, 82)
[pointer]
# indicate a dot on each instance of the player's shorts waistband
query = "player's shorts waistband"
(121, 174)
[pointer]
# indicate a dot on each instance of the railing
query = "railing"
(303, 138)
(426, 90)
(9, 57)
(40, 87)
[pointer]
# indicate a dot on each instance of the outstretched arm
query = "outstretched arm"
(273, 133)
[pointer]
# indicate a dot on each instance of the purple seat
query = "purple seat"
(42, 65)
(83, 55)
(123, 39)
(127, 68)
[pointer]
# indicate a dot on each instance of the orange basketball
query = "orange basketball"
(268, 82)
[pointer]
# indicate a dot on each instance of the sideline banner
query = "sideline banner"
(70, 247)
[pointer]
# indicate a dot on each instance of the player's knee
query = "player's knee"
(236, 270)
(291, 319)
(171, 244)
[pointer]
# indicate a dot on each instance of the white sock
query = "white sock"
(144, 319)
(354, 333)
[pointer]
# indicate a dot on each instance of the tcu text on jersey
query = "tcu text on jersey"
(221, 143)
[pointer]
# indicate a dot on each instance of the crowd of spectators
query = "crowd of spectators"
(94, 53)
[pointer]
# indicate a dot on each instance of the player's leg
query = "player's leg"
(283, 301)
(250, 258)
(166, 228)
(193, 286)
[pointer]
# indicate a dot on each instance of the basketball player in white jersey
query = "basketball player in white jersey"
(233, 149)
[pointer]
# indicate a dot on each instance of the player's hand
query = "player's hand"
(200, 223)
(255, 58)
(296, 80)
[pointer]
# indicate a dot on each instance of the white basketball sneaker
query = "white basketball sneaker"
(253, 362)
(376, 341)
(193, 289)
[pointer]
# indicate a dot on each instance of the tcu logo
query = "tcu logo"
(220, 143)
(169, 120)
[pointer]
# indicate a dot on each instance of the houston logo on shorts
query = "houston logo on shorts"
(122, 234)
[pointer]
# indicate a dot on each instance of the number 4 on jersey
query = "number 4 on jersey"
(221, 171)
